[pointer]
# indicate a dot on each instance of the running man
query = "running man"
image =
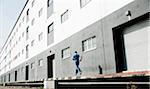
(76, 58)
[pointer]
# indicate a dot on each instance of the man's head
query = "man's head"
(75, 52)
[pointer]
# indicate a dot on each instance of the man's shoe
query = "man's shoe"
(80, 73)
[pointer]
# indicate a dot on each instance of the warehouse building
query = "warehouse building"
(112, 36)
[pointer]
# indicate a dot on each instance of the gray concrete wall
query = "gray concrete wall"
(90, 59)
(137, 8)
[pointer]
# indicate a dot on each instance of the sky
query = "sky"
(9, 12)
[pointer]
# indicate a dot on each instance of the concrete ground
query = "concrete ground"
(18, 87)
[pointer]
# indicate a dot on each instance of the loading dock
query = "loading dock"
(130, 39)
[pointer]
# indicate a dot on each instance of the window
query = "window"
(20, 24)
(19, 38)
(16, 29)
(40, 62)
(14, 46)
(19, 54)
(9, 65)
(66, 53)
(27, 15)
(84, 2)
(15, 57)
(40, 12)
(27, 51)
(32, 65)
(12, 37)
(22, 34)
(22, 51)
(64, 16)
(50, 8)
(27, 33)
(16, 42)
(10, 54)
(32, 43)
(89, 44)
(6, 49)
(49, 2)
(33, 3)
(32, 22)
(50, 34)
(50, 27)
(22, 19)
(14, 34)
(40, 36)
(10, 42)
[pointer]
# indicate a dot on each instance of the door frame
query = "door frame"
(118, 39)
(50, 60)
(27, 72)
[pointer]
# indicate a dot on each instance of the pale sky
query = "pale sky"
(9, 12)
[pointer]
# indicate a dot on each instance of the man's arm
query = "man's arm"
(73, 57)
(80, 58)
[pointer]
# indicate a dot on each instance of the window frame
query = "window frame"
(64, 52)
(118, 42)
(40, 62)
(85, 3)
(33, 21)
(32, 43)
(40, 37)
(91, 44)
(27, 33)
(50, 26)
(33, 2)
(40, 12)
(49, 2)
(27, 15)
(64, 15)
(32, 65)
(27, 51)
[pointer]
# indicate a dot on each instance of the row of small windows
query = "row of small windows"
(64, 16)
(19, 39)
(19, 53)
(40, 37)
(82, 2)
(39, 14)
(27, 19)
(87, 45)
(22, 70)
